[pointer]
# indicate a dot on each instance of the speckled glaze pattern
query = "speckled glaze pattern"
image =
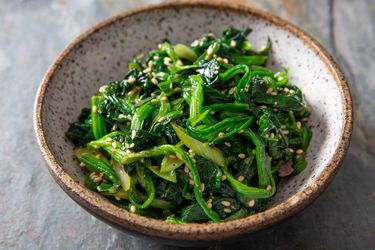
(100, 56)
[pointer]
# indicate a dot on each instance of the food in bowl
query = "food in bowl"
(194, 133)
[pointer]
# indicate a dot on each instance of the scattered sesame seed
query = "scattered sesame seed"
(216, 72)
(221, 134)
(82, 164)
(273, 93)
(98, 155)
(241, 156)
(177, 89)
(154, 81)
(161, 119)
(146, 70)
(225, 203)
(298, 125)
(290, 150)
(94, 109)
(231, 91)
(122, 116)
(167, 60)
(286, 89)
(285, 132)
(179, 63)
(241, 131)
(195, 43)
(103, 88)
(132, 209)
(191, 151)
(283, 126)
(240, 178)
(142, 160)
(191, 182)
(269, 91)
(131, 145)
(263, 106)
(114, 145)
(299, 151)
(209, 205)
(305, 119)
(131, 80)
(269, 187)
(109, 139)
(227, 210)
(128, 151)
(223, 177)
(202, 186)
(225, 60)
(291, 91)
(210, 34)
(134, 133)
(210, 50)
(186, 169)
(164, 98)
(155, 57)
(272, 135)
(212, 112)
(251, 203)
(117, 198)
(233, 43)
(126, 145)
(160, 46)
(227, 143)
(172, 156)
(280, 78)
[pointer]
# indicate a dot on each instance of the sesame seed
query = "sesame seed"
(161, 119)
(98, 156)
(191, 151)
(179, 63)
(103, 88)
(142, 160)
(186, 169)
(216, 72)
(202, 186)
(225, 203)
(291, 91)
(82, 164)
(286, 89)
(299, 151)
(233, 43)
(290, 150)
(191, 182)
(228, 144)
(223, 177)
(251, 203)
(109, 139)
(146, 70)
(134, 133)
(269, 187)
(210, 50)
(280, 78)
(131, 80)
(122, 116)
(221, 134)
(240, 178)
(195, 43)
(156, 57)
(114, 145)
(272, 135)
(269, 91)
(117, 198)
(132, 209)
(94, 109)
(212, 112)
(231, 91)
(154, 81)
(227, 210)
(283, 126)
(131, 145)
(241, 156)
(263, 106)
(209, 205)
(164, 98)
(210, 34)
(225, 60)
(160, 46)
(207, 57)
(128, 151)
(298, 125)
(172, 156)
(285, 132)
(190, 175)
(126, 145)
(167, 60)
(273, 93)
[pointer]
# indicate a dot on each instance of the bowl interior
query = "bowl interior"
(103, 56)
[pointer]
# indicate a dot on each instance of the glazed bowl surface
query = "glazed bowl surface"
(100, 55)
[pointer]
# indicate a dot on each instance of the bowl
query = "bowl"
(100, 55)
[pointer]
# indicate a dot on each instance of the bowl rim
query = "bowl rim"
(101, 207)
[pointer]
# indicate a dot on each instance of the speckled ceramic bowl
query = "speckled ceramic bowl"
(101, 54)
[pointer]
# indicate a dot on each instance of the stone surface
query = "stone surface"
(34, 211)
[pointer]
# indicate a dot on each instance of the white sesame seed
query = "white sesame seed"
(195, 43)
(269, 187)
(202, 186)
(286, 89)
(131, 80)
(263, 106)
(241, 156)
(225, 203)
(291, 91)
(251, 203)
(272, 135)
(94, 109)
(82, 164)
(150, 64)
(146, 70)
(167, 60)
(160, 46)
(114, 145)
(274, 94)
(225, 60)
(134, 133)
(212, 112)
(299, 151)
(191, 182)
(283, 126)
(128, 151)
(190, 175)
(177, 89)
(240, 178)
(269, 91)
(191, 151)
(280, 78)
(131, 145)
(161, 119)
(132, 209)
(231, 91)
(223, 177)
(285, 132)
(109, 139)
(155, 57)
(186, 169)
(209, 204)
(227, 210)
(117, 198)
(221, 134)
(298, 125)
(216, 72)
(290, 150)
(210, 50)
(122, 116)
(98, 156)
(228, 144)
(233, 43)
(103, 88)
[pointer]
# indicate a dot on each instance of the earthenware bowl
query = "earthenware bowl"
(100, 55)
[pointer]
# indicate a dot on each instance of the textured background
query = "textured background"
(35, 213)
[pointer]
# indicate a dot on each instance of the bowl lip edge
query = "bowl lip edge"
(192, 231)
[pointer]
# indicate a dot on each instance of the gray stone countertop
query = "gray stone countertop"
(35, 213)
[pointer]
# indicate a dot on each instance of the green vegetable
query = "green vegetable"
(194, 133)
